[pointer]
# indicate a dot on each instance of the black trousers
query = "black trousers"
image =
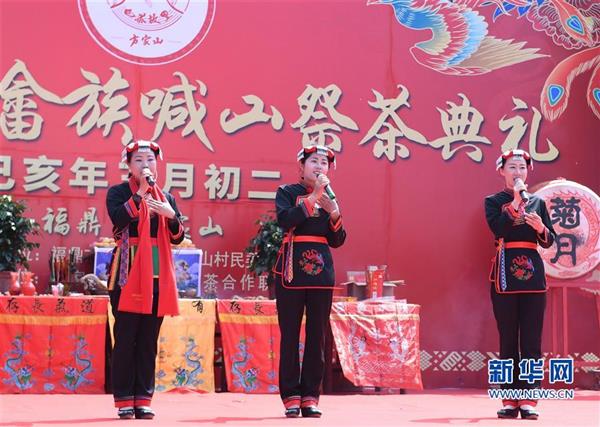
(293, 381)
(520, 318)
(134, 353)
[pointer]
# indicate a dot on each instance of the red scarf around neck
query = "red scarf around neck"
(136, 294)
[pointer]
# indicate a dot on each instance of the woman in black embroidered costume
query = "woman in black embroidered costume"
(518, 280)
(142, 287)
(304, 277)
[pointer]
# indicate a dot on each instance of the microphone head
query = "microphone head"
(149, 178)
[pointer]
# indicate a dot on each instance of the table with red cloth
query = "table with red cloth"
(52, 344)
(186, 348)
(250, 338)
(378, 343)
(57, 345)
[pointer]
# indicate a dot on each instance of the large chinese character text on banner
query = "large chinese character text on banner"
(18, 119)
(6, 172)
(90, 114)
(176, 107)
(461, 123)
(395, 128)
(180, 175)
(517, 128)
(221, 187)
(322, 132)
(41, 173)
(87, 175)
(232, 122)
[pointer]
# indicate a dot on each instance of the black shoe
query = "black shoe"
(144, 413)
(292, 412)
(126, 413)
(508, 413)
(529, 414)
(311, 412)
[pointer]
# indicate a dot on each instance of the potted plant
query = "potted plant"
(14, 232)
(265, 245)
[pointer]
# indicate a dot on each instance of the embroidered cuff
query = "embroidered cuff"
(142, 401)
(177, 234)
(123, 402)
(309, 401)
(543, 236)
(131, 207)
(335, 226)
(291, 402)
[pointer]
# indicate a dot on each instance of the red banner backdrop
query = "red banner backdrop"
(232, 89)
(51, 345)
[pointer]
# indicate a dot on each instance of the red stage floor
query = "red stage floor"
(429, 408)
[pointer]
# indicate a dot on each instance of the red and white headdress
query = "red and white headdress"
(517, 152)
(140, 145)
(305, 153)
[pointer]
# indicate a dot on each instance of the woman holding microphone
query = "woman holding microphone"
(520, 223)
(309, 215)
(142, 276)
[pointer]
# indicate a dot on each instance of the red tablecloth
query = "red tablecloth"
(52, 345)
(378, 343)
(250, 337)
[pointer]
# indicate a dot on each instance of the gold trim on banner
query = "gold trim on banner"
(382, 316)
(248, 318)
(25, 319)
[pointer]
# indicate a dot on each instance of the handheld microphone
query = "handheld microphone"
(328, 190)
(150, 180)
(524, 195)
